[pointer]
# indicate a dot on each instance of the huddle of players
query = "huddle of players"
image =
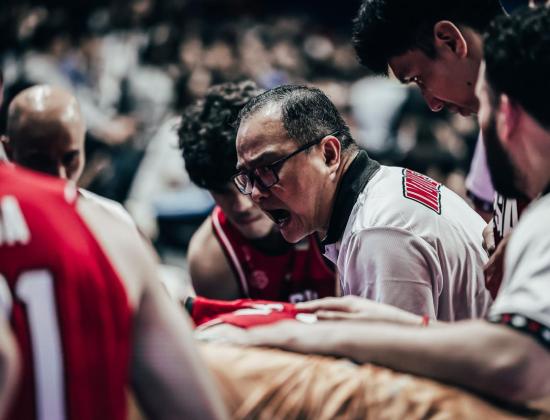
(395, 236)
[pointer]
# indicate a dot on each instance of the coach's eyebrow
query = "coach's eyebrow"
(264, 159)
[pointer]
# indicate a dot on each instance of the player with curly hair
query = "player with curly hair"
(238, 252)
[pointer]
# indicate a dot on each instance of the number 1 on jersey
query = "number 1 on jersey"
(36, 290)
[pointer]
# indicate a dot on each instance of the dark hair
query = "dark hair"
(306, 113)
(384, 29)
(517, 60)
(207, 134)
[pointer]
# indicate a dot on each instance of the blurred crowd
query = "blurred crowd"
(135, 64)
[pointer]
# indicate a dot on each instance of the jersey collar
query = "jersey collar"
(353, 183)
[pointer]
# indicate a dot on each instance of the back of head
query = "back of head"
(517, 60)
(385, 29)
(306, 113)
(46, 131)
(207, 134)
(38, 110)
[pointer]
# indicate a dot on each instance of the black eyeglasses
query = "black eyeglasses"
(267, 176)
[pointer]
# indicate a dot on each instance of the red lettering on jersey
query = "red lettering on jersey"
(423, 190)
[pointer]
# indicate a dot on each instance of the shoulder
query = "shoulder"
(130, 255)
(208, 264)
(203, 244)
(533, 230)
(114, 208)
(382, 203)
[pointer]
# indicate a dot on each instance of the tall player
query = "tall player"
(88, 311)
(238, 251)
(437, 45)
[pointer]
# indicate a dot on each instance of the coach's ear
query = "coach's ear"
(332, 150)
(6, 152)
(448, 38)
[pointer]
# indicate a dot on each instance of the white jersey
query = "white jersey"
(412, 243)
(524, 298)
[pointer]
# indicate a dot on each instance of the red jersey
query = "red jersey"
(67, 306)
(297, 275)
(243, 313)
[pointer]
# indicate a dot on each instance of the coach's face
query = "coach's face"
(298, 202)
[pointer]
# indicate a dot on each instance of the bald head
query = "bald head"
(46, 131)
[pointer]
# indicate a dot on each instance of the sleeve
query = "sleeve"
(393, 266)
(524, 300)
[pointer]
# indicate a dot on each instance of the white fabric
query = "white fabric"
(397, 251)
(526, 285)
(111, 206)
(478, 181)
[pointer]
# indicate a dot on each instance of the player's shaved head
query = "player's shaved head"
(46, 131)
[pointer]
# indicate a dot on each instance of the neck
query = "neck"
(347, 159)
(538, 158)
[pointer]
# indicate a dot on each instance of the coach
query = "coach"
(396, 236)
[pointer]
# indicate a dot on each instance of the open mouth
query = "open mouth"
(279, 216)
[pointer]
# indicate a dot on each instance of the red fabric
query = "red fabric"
(244, 313)
(298, 275)
(93, 313)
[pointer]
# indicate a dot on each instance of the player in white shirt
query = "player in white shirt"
(396, 236)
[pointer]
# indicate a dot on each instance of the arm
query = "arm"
(210, 271)
(490, 359)
(169, 378)
(9, 366)
(393, 266)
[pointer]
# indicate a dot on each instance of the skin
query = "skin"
(307, 182)
(243, 213)
(10, 366)
(448, 80)
(46, 132)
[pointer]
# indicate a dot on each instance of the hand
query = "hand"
(494, 269)
(356, 308)
(489, 238)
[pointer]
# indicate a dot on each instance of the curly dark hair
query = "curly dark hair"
(384, 29)
(306, 113)
(207, 134)
(517, 60)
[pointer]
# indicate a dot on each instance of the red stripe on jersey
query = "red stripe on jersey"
(422, 189)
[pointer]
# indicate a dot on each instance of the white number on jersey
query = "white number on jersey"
(35, 289)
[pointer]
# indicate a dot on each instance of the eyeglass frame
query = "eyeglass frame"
(255, 180)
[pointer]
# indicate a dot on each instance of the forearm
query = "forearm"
(486, 358)
(9, 367)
